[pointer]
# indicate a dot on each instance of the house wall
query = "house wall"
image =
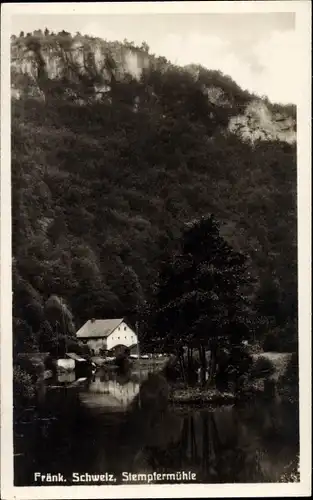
(117, 350)
(122, 335)
(134, 350)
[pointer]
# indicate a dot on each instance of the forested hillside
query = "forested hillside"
(113, 151)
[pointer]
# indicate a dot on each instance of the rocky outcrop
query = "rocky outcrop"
(258, 122)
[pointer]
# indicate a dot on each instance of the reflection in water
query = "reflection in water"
(66, 377)
(113, 424)
(119, 392)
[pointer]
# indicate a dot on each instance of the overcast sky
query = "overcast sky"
(259, 51)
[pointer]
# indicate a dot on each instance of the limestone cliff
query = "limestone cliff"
(84, 69)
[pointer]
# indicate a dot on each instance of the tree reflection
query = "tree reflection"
(219, 445)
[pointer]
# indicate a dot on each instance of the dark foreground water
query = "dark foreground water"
(98, 427)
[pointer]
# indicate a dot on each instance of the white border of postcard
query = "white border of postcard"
(302, 80)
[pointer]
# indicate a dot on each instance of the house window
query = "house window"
(124, 328)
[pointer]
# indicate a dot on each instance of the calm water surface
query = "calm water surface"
(97, 426)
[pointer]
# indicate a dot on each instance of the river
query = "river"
(100, 425)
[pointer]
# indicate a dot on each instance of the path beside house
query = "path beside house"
(279, 359)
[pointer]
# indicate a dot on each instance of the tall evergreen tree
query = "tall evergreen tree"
(199, 299)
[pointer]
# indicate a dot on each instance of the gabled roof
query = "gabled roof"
(98, 328)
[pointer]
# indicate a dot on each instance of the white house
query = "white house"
(105, 334)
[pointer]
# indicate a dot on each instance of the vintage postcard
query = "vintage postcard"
(155, 250)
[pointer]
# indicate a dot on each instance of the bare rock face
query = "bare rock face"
(260, 123)
(38, 66)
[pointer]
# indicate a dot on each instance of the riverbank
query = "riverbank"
(153, 363)
(200, 396)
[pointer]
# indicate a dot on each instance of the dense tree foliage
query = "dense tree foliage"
(199, 300)
(103, 182)
(200, 290)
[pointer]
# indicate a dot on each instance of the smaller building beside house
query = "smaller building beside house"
(66, 364)
(105, 335)
(73, 361)
(83, 367)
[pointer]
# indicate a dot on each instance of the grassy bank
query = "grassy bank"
(200, 396)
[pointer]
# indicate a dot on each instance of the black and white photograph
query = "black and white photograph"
(153, 281)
